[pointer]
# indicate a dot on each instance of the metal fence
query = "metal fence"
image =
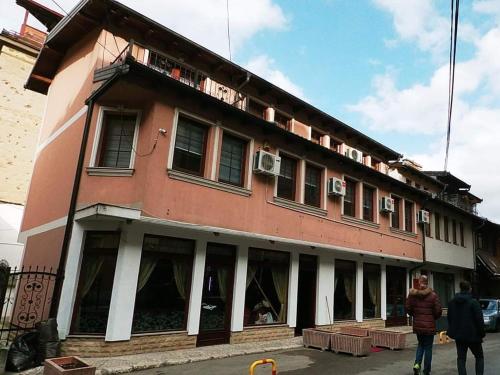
(25, 298)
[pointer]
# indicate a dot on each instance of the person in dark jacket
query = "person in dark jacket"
(466, 327)
(423, 305)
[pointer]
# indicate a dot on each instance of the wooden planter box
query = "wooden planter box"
(354, 331)
(355, 345)
(315, 338)
(67, 365)
(388, 339)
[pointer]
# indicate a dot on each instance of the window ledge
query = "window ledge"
(403, 232)
(158, 333)
(285, 203)
(270, 325)
(102, 171)
(186, 177)
(355, 220)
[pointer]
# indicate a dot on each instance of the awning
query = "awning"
(489, 262)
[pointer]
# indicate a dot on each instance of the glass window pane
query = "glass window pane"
(409, 216)
(97, 271)
(286, 179)
(163, 284)
(368, 196)
(396, 214)
(116, 140)
(371, 291)
(345, 290)
(350, 198)
(232, 157)
(312, 188)
(189, 146)
(267, 287)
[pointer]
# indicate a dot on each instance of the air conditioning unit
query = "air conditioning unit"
(423, 216)
(336, 186)
(387, 204)
(354, 154)
(266, 163)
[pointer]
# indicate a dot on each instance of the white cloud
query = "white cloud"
(419, 21)
(489, 7)
(264, 66)
(203, 21)
(422, 109)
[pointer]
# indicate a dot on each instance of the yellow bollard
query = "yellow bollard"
(263, 362)
(443, 337)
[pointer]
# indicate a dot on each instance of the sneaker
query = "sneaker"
(416, 369)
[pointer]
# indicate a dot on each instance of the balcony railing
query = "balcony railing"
(183, 73)
(460, 202)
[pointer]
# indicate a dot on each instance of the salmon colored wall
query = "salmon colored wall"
(44, 249)
(160, 196)
(301, 129)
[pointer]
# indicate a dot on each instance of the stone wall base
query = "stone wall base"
(97, 347)
(254, 334)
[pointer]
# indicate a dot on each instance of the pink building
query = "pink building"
(189, 202)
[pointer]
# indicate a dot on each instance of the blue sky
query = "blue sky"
(378, 65)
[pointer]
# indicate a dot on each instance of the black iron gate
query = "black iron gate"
(25, 298)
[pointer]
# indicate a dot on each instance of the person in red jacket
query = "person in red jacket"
(424, 307)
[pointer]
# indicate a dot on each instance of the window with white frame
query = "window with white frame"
(368, 203)
(190, 146)
(350, 198)
(312, 188)
(409, 216)
(232, 160)
(396, 214)
(287, 178)
(116, 139)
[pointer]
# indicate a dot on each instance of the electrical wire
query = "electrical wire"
(451, 79)
(228, 33)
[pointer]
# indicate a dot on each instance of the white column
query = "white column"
(293, 286)
(383, 292)
(359, 291)
(408, 286)
(70, 283)
(326, 289)
(193, 324)
(239, 290)
(457, 277)
(121, 309)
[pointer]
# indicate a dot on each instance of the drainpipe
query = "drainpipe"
(54, 307)
(244, 82)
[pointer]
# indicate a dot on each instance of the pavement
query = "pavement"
(291, 357)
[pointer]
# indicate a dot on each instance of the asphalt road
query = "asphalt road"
(315, 362)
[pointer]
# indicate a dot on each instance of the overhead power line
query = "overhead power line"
(455, 4)
(228, 33)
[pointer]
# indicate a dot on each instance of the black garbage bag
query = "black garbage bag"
(23, 352)
(48, 341)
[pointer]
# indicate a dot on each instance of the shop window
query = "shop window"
(437, 226)
(368, 201)
(371, 291)
(444, 286)
(163, 285)
(312, 188)
(116, 143)
(350, 198)
(190, 140)
(409, 216)
(395, 215)
(345, 290)
(232, 160)
(93, 297)
(287, 178)
(266, 287)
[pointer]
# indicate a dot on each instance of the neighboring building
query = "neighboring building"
(179, 234)
(488, 259)
(20, 116)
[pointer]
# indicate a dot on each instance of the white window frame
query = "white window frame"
(98, 134)
(322, 184)
(298, 191)
(376, 211)
(358, 206)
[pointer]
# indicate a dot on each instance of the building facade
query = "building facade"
(189, 202)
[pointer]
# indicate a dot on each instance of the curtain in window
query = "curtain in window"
(90, 270)
(148, 265)
(251, 271)
(348, 284)
(373, 291)
(280, 280)
(181, 272)
(336, 282)
(222, 279)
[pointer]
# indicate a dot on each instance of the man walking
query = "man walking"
(466, 327)
(423, 305)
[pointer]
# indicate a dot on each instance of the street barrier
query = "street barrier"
(264, 362)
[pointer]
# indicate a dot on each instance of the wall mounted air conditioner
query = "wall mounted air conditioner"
(387, 204)
(336, 186)
(424, 217)
(354, 154)
(266, 163)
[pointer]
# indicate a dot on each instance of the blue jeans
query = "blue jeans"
(424, 350)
